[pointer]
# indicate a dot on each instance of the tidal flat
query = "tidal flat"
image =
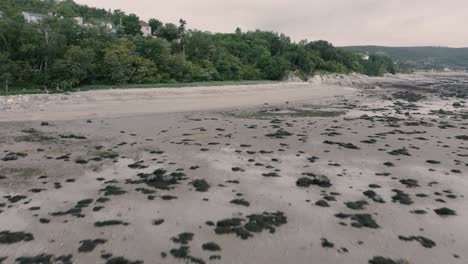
(274, 173)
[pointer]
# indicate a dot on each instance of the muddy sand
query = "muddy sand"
(335, 170)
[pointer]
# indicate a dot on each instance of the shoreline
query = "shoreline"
(127, 102)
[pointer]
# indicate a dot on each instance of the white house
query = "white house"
(107, 25)
(146, 29)
(110, 26)
(33, 17)
(78, 20)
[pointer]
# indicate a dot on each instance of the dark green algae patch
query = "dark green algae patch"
(7, 237)
(159, 179)
(360, 220)
(255, 223)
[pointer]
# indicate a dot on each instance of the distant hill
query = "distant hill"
(427, 58)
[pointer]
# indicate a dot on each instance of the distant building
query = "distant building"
(1, 14)
(111, 27)
(107, 25)
(33, 17)
(146, 29)
(78, 20)
(364, 56)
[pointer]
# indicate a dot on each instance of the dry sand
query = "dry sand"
(118, 103)
(171, 161)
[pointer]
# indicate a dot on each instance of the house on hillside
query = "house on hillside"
(1, 14)
(33, 17)
(78, 20)
(146, 29)
(110, 26)
(107, 25)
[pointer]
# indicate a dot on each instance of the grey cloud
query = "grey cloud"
(343, 22)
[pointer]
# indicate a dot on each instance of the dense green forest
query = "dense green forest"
(60, 53)
(425, 58)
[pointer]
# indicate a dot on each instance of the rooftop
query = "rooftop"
(35, 14)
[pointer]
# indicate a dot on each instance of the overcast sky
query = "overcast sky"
(342, 22)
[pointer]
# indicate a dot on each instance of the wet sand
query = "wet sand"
(318, 174)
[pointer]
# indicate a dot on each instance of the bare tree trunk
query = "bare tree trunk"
(183, 49)
(47, 45)
(7, 44)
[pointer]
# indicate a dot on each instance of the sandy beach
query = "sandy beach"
(334, 170)
(118, 103)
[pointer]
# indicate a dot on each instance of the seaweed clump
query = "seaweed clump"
(211, 246)
(462, 137)
(401, 197)
(255, 223)
(321, 181)
(109, 223)
(89, 245)
(122, 260)
(424, 241)
(112, 190)
(183, 252)
(279, 134)
(7, 237)
(410, 183)
(200, 185)
(159, 179)
(42, 258)
(76, 210)
(360, 220)
(374, 196)
(240, 202)
(343, 145)
(14, 156)
(183, 238)
(357, 205)
(445, 211)
(402, 151)
(382, 260)
(326, 243)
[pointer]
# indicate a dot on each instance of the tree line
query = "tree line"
(60, 53)
(422, 58)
